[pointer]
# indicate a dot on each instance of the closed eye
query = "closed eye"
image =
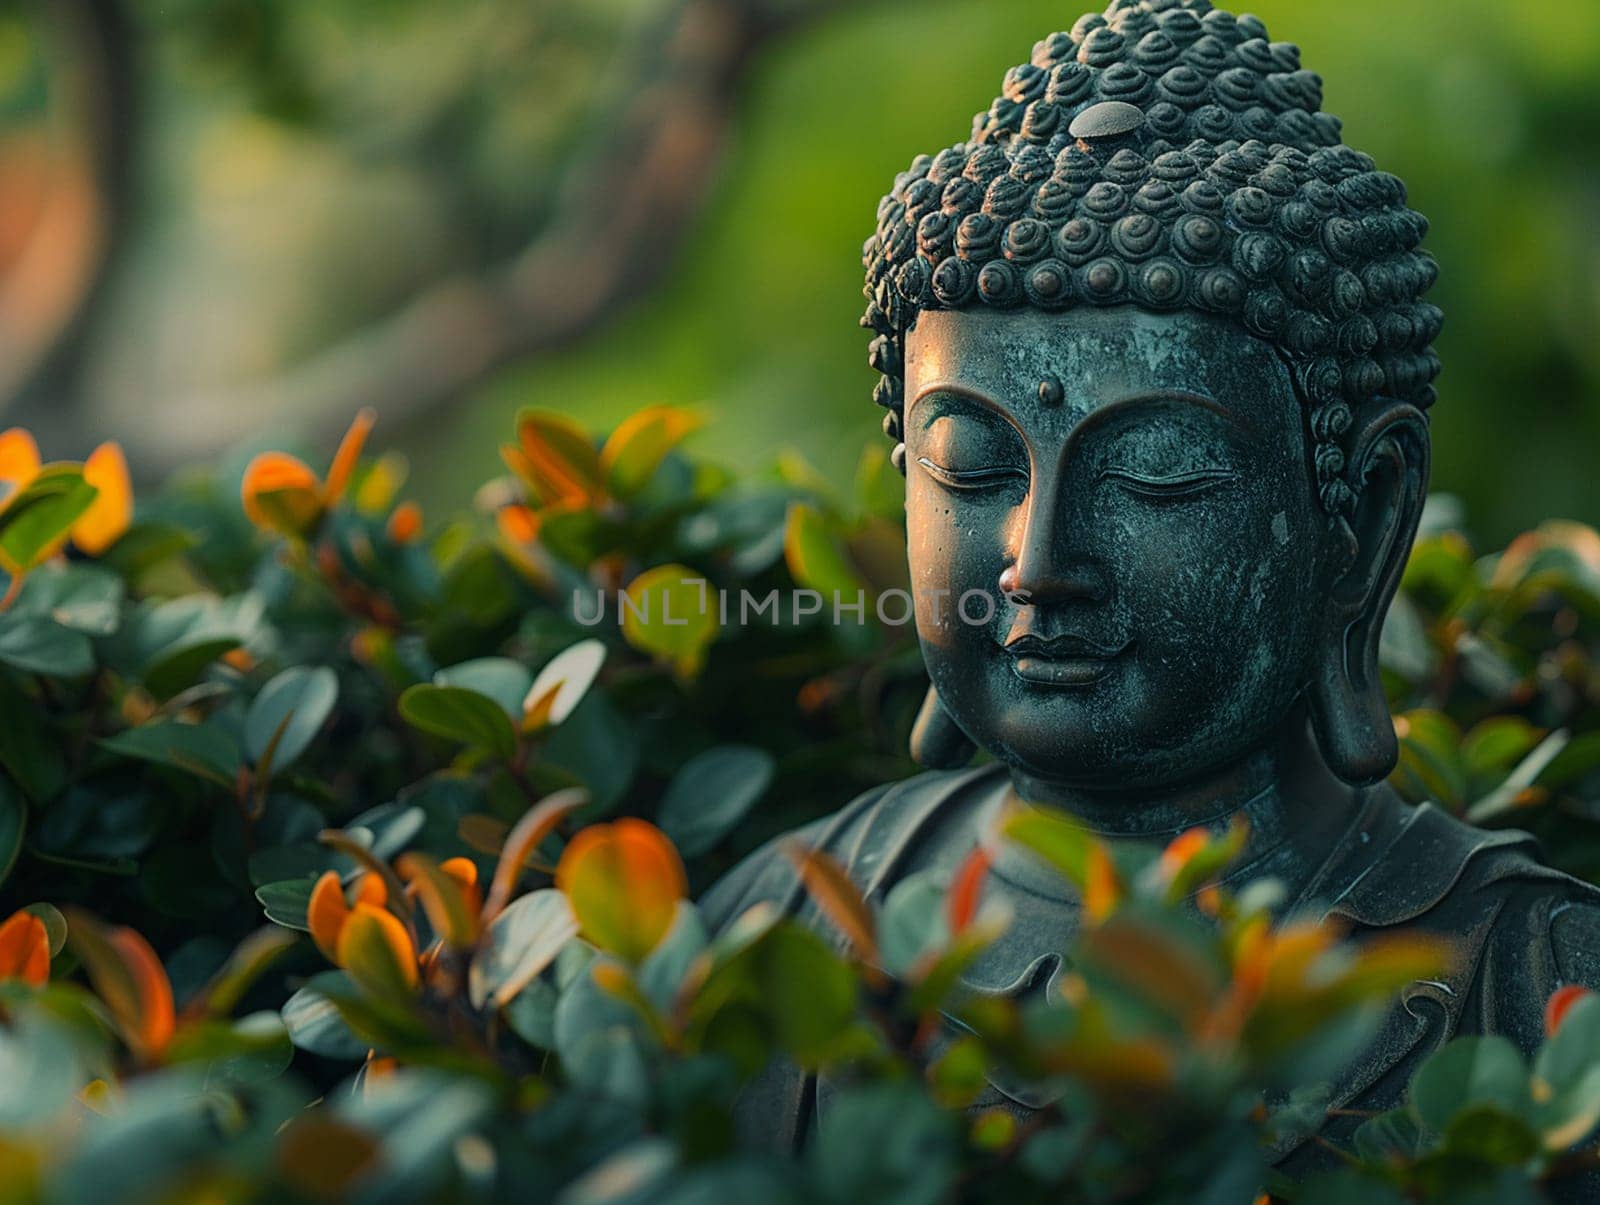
(973, 479)
(1179, 485)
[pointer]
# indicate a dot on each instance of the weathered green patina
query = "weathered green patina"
(1157, 365)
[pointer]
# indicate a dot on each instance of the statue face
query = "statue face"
(1144, 525)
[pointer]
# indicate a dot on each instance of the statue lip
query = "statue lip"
(1061, 660)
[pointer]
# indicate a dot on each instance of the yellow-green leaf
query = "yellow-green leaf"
(624, 881)
(378, 952)
(636, 449)
(669, 612)
(816, 560)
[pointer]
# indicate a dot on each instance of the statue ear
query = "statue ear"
(937, 741)
(1388, 470)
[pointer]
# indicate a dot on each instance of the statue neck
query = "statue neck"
(1296, 807)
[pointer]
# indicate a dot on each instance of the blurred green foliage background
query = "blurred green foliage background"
(301, 172)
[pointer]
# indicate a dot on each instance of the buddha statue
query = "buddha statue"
(1155, 359)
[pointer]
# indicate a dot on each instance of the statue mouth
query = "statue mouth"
(1061, 660)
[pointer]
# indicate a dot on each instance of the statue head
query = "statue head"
(1156, 363)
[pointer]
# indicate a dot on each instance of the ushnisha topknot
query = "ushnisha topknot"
(1166, 154)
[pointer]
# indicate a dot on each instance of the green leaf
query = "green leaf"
(13, 824)
(711, 794)
(1391, 1136)
(520, 942)
(643, 1170)
(1469, 1071)
(599, 747)
(200, 749)
(285, 902)
(1348, 1188)
(809, 1023)
(288, 713)
(1403, 644)
(1059, 843)
(31, 754)
(180, 667)
(879, 488)
(816, 559)
(1526, 772)
(421, 1114)
(1431, 765)
(1485, 1132)
(462, 715)
(55, 925)
(885, 1142)
(251, 1050)
(389, 827)
(85, 598)
(315, 1023)
(1567, 1055)
(912, 922)
(41, 646)
(1495, 745)
(42, 513)
(167, 645)
(502, 679)
(663, 973)
(1580, 757)
(43, 1071)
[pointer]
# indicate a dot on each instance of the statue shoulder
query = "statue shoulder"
(1404, 861)
(879, 837)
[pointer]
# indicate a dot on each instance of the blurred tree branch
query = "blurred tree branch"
(622, 212)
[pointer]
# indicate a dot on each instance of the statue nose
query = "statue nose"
(1035, 584)
(1045, 569)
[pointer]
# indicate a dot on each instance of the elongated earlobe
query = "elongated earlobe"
(1389, 473)
(937, 741)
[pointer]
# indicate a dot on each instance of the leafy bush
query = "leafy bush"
(349, 856)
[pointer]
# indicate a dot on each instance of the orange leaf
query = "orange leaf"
(280, 493)
(111, 512)
(443, 898)
(377, 951)
(1177, 854)
(344, 460)
(521, 842)
(624, 881)
(966, 889)
(326, 913)
(517, 523)
(25, 949)
(129, 979)
(405, 523)
(19, 462)
(156, 1020)
(560, 458)
(1102, 891)
(465, 872)
(838, 898)
(1555, 1009)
